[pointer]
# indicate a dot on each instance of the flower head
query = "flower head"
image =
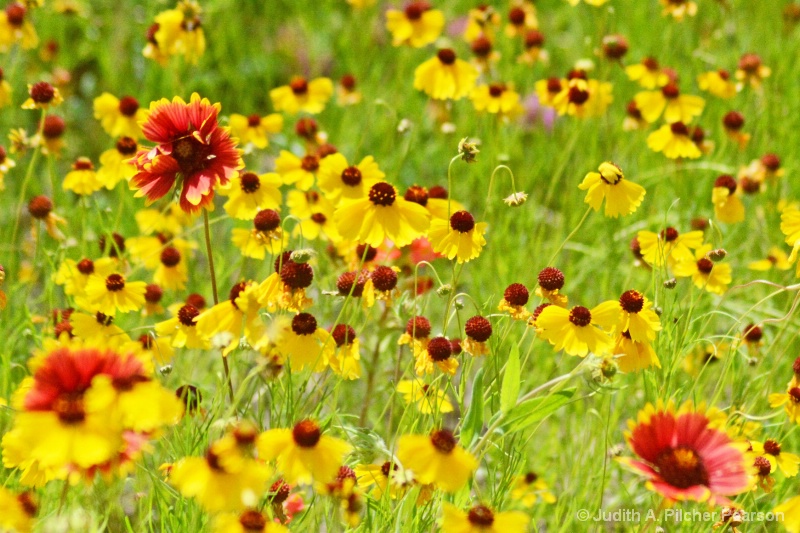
(622, 196)
(302, 95)
(437, 458)
(460, 238)
(445, 77)
(481, 519)
(417, 25)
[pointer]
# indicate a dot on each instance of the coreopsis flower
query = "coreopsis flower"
(515, 298)
(147, 250)
(790, 225)
(17, 511)
(41, 208)
(255, 129)
(790, 400)
(171, 272)
(248, 521)
(705, 273)
(149, 348)
(82, 179)
(551, 281)
(631, 355)
(434, 200)
(426, 398)
(636, 316)
(229, 318)
(295, 171)
(725, 196)
(482, 21)
(776, 258)
(120, 117)
(228, 478)
(192, 150)
(315, 213)
(113, 293)
(576, 330)
(5, 90)
(303, 453)
(788, 514)
(153, 294)
(437, 458)
(668, 246)
(97, 327)
(437, 353)
(52, 136)
(533, 52)
(521, 18)
(674, 141)
(751, 71)
(417, 333)
(679, 9)
(305, 344)
(445, 77)
(6, 164)
(267, 236)
(381, 285)
(388, 477)
(15, 28)
(788, 463)
(381, 215)
(477, 329)
(171, 222)
(75, 275)
(648, 73)
(181, 329)
(547, 90)
(496, 98)
(339, 180)
(529, 488)
(248, 193)
(718, 83)
(417, 25)
(582, 97)
(347, 92)
(42, 95)
(177, 32)
(685, 454)
(633, 118)
(459, 238)
(83, 411)
(285, 288)
(345, 359)
(302, 95)
(481, 519)
(622, 196)
(116, 164)
(676, 107)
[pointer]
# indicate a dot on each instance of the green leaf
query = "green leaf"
(529, 412)
(473, 420)
(510, 389)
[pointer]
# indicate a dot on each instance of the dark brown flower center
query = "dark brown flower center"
(319, 218)
(669, 234)
(310, 163)
(577, 95)
(633, 111)
(679, 128)
(681, 468)
(580, 316)
(446, 56)
(382, 194)
(418, 327)
(267, 220)
(437, 191)
(348, 82)
(481, 46)
(516, 294)
(771, 161)
(763, 466)
(551, 279)
(42, 92)
(650, 63)
(733, 121)
(753, 333)
(69, 407)
(417, 194)
(750, 63)
(299, 86)
(631, 301)
(196, 300)
(297, 275)
(352, 281)
(478, 328)
(170, 256)
(343, 334)
(351, 176)
(40, 206)
(553, 85)
(462, 222)
(82, 163)
(15, 14)
(306, 127)
(384, 278)
(252, 521)
(115, 282)
(304, 324)
(705, 265)
(772, 447)
(250, 182)
(86, 266)
(516, 16)
(439, 349)
(794, 394)
(187, 315)
(414, 10)
(191, 155)
(128, 106)
(280, 489)
(306, 433)
(534, 39)
(366, 252)
(54, 127)
(443, 440)
(531, 477)
(670, 90)
(126, 146)
(103, 319)
(496, 89)
(236, 290)
(253, 121)
(481, 516)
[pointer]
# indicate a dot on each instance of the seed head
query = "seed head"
(516, 294)
(478, 328)
(551, 279)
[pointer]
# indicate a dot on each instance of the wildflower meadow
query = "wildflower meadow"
(399, 266)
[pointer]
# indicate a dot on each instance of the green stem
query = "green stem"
(574, 231)
(450, 184)
(216, 298)
(491, 181)
(24, 187)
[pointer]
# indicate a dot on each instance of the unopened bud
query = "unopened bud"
(444, 290)
(468, 150)
(670, 283)
(166, 370)
(717, 255)
(303, 256)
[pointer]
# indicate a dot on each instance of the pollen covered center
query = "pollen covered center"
(351, 176)
(682, 468)
(382, 194)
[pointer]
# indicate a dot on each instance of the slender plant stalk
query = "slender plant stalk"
(216, 299)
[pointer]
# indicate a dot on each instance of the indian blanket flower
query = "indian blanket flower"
(674, 141)
(228, 478)
(576, 330)
(248, 193)
(417, 25)
(120, 117)
(725, 196)
(685, 454)
(302, 95)
(192, 151)
(445, 77)
(84, 410)
(255, 129)
(622, 196)
(705, 273)
(437, 458)
(381, 215)
(459, 238)
(718, 83)
(676, 107)
(426, 398)
(114, 293)
(481, 519)
(303, 454)
(338, 180)
(648, 73)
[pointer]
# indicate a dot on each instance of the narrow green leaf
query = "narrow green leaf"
(510, 389)
(473, 420)
(529, 412)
